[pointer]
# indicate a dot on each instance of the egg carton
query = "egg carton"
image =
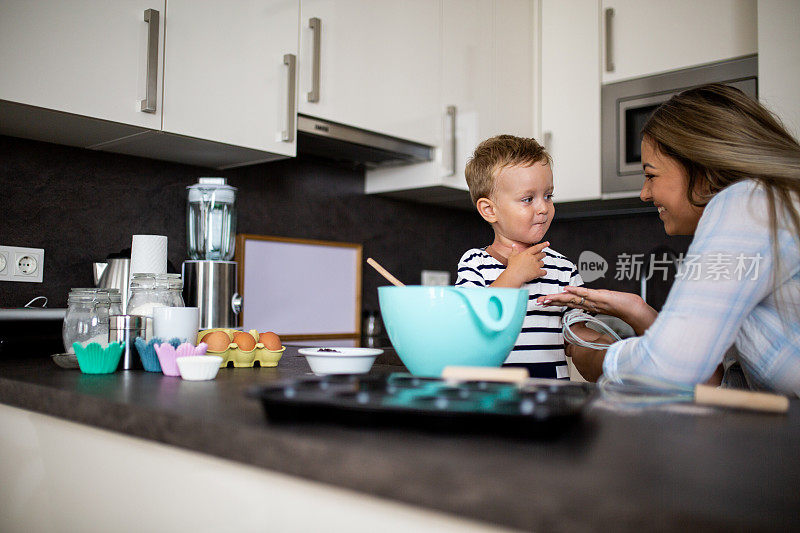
(243, 358)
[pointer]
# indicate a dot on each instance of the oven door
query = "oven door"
(627, 105)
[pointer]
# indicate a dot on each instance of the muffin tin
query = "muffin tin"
(537, 409)
(242, 358)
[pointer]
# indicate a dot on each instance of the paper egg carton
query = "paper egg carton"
(243, 358)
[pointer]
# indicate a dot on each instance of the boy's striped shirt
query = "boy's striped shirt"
(541, 341)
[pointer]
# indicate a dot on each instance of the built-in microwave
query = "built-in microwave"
(626, 106)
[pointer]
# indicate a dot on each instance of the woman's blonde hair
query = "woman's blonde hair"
(496, 153)
(721, 136)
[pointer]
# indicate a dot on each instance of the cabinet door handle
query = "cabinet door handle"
(149, 103)
(451, 113)
(547, 141)
(609, 39)
(287, 135)
(316, 26)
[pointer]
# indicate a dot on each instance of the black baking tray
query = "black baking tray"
(540, 408)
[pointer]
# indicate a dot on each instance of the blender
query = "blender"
(209, 275)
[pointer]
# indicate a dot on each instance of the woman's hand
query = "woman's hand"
(588, 361)
(629, 307)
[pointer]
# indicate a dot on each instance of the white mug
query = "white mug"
(176, 322)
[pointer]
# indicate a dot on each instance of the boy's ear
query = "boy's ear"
(486, 210)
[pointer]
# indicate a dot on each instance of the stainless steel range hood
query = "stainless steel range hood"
(353, 145)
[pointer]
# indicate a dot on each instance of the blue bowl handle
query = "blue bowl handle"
(479, 305)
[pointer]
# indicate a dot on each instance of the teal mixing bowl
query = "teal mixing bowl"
(435, 327)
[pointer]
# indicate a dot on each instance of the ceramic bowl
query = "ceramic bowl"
(435, 327)
(340, 360)
(198, 367)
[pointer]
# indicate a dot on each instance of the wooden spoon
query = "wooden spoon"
(385, 273)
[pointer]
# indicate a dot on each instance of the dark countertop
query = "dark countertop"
(657, 470)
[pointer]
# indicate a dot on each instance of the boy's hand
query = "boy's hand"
(523, 266)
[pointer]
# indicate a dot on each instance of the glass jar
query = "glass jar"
(115, 302)
(146, 294)
(174, 285)
(102, 305)
(86, 319)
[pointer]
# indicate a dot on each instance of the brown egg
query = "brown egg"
(270, 340)
(217, 341)
(245, 341)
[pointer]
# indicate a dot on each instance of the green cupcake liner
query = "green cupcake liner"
(94, 359)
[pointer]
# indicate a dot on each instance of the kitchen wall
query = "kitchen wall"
(79, 205)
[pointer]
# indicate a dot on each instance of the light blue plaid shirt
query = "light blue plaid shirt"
(725, 294)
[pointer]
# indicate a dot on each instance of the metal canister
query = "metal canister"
(124, 329)
(211, 287)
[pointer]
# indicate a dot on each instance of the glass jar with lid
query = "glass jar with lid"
(115, 302)
(146, 294)
(86, 320)
(174, 285)
(102, 305)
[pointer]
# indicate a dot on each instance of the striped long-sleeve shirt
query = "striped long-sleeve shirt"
(725, 294)
(540, 345)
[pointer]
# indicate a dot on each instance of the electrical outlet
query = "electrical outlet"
(435, 277)
(4, 270)
(21, 264)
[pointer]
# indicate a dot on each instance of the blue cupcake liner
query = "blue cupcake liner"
(147, 352)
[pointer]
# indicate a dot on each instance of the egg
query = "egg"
(270, 340)
(245, 341)
(217, 341)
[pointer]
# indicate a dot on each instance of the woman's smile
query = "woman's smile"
(666, 185)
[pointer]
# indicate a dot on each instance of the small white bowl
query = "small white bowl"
(199, 367)
(340, 360)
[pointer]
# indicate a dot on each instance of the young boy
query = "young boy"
(511, 183)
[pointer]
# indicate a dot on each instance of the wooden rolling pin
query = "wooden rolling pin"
(699, 394)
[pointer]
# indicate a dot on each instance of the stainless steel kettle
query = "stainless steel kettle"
(113, 274)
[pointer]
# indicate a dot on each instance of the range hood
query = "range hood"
(332, 140)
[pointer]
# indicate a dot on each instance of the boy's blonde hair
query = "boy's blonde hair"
(496, 153)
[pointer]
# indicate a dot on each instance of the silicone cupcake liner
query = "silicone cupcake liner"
(198, 367)
(147, 352)
(167, 355)
(94, 359)
(242, 358)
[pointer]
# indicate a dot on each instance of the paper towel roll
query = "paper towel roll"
(149, 254)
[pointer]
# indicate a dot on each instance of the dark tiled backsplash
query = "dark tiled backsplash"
(80, 205)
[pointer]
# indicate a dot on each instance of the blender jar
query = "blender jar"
(211, 220)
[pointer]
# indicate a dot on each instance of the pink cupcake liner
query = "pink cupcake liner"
(167, 355)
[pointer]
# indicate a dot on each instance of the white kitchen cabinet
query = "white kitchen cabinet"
(486, 79)
(779, 60)
(77, 73)
(378, 65)
(226, 79)
(652, 36)
(570, 95)
(85, 58)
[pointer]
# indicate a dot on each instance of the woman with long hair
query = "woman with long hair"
(721, 167)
